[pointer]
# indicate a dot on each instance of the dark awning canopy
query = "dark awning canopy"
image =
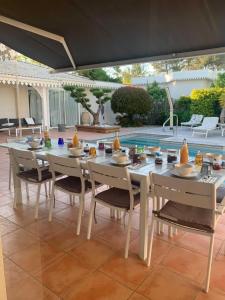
(93, 33)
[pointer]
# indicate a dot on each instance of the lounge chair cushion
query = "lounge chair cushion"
(32, 175)
(118, 198)
(189, 216)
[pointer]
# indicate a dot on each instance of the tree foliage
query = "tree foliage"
(182, 107)
(98, 74)
(132, 103)
(220, 80)
(212, 62)
(80, 96)
(206, 101)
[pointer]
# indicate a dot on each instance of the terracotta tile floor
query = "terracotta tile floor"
(48, 261)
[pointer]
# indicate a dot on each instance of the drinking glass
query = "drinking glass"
(60, 141)
(92, 151)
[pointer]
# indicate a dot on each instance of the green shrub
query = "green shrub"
(132, 103)
(206, 101)
(160, 106)
(182, 107)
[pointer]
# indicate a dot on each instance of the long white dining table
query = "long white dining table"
(139, 174)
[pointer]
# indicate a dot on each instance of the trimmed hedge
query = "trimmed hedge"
(206, 101)
(182, 107)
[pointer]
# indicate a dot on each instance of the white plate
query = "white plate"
(124, 163)
(193, 174)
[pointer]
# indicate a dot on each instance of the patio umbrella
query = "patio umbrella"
(81, 34)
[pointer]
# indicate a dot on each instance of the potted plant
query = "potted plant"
(79, 95)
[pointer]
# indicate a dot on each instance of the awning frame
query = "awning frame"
(41, 32)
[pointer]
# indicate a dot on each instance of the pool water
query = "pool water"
(160, 141)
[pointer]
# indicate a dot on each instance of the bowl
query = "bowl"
(77, 151)
(34, 144)
(120, 158)
(184, 169)
(154, 149)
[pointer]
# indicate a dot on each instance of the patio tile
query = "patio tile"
(6, 226)
(198, 243)
(166, 285)
(211, 295)
(92, 253)
(24, 215)
(66, 239)
(115, 236)
(13, 274)
(218, 275)
(62, 273)
(186, 263)
(130, 272)
(159, 251)
(7, 210)
(97, 286)
(220, 231)
(36, 257)
(30, 289)
(17, 241)
(45, 229)
(137, 296)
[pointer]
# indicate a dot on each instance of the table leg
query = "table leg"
(16, 181)
(143, 226)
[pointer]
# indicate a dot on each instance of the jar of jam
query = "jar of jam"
(171, 155)
(216, 165)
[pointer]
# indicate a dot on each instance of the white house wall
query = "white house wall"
(184, 87)
(8, 101)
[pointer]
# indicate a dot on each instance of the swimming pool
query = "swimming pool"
(149, 140)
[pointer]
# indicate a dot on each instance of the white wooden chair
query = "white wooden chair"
(121, 195)
(73, 183)
(32, 172)
(188, 205)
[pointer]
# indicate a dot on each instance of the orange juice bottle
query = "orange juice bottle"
(75, 140)
(184, 156)
(116, 143)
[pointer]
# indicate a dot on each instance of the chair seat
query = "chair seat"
(32, 175)
(220, 193)
(185, 215)
(118, 198)
(72, 184)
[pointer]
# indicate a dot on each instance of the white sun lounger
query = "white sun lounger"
(194, 121)
(208, 124)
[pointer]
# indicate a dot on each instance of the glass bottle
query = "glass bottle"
(116, 142)
(75, 140)
(184, 155)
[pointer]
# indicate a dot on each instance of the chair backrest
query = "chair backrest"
(118, 177)
(198, 118)
(65, 166)
(193, 118)
(25, 158)
(192, 193)
(210, 122)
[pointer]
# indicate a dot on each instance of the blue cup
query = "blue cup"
(60, 141)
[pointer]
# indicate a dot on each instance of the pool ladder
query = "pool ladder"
(174, 128)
